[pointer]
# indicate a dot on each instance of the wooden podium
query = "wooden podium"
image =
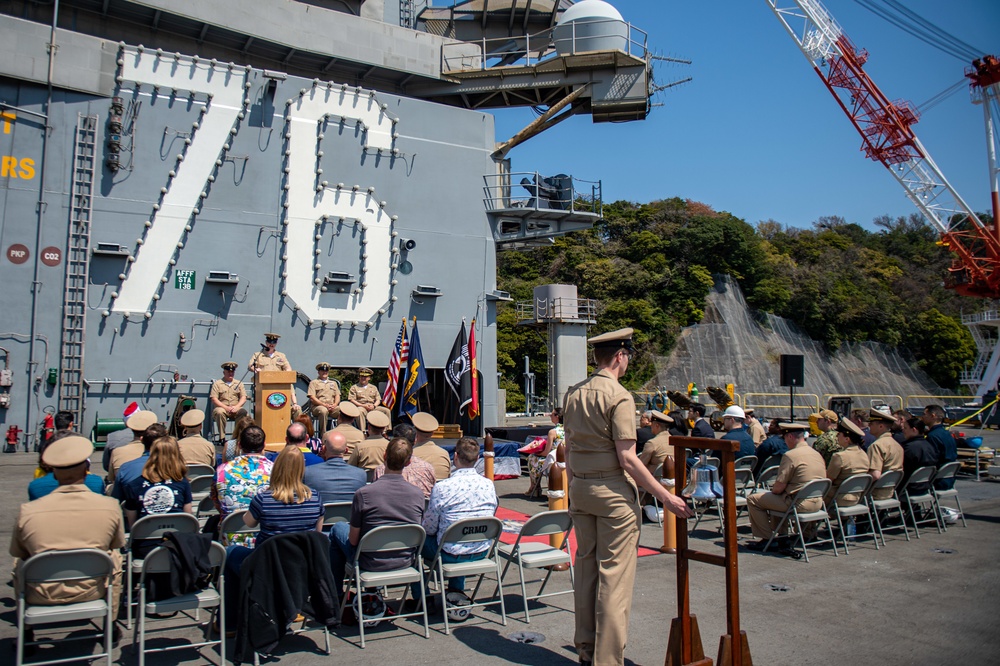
(272, 406)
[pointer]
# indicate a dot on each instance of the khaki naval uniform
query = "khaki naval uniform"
(229, 395)
(884, 455)
(798, 467)
(436, 456)
(325, 391)
(196, 450)
(353, 436)
(757, 432)
(276, 361)
(70, 517)
(122, 455)
(365, 396)
(605, 510)
(843, 465)
(369, 454)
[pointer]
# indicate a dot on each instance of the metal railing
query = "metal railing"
(559, 192)
(773, 402)
(918, 401)
(557, 309)
(529, 50)
(894, 401)
(980, 317)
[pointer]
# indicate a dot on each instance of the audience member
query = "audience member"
(848, 460)
(419, 472)
(335, 480)
(237, 481)
(132, 470)
(754, 428)
(884, 454)
(679, 427)
(44, 485)
(137, 423)
(297, 435)
(232, 449)
(162, 488)
(917, 452)
(315, 444)
(345, 425)
(732, 423)
(942, 440)
(389, 500)
(860, 418)
(827, 443)
(428, 450)
(701, 428)
(539, 463)
(370, 453)
(774, 445)
(195, 449)
(658, 452)
(119, 438)
(644, 432)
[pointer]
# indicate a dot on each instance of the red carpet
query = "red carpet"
(513, 520)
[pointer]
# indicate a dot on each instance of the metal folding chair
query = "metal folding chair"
(536, 555)
(815, 489)
(151, 527)
(380, 540)
(746, 462)
(890, 479)
(64, 566)
(464, 531)
(767, 478)
(743, 481)
(233, 524)
(858, 484)
(205, 509)
(924, 499)
(201, 486)
(944, 472)
(194, 471)
(211, 597)
(335, 512)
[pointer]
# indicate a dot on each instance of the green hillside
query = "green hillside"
(651, 265)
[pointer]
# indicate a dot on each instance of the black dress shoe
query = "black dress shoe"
(756, 546)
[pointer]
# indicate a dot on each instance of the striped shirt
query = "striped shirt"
(279, 518)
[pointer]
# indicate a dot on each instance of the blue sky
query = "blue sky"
(756, 133)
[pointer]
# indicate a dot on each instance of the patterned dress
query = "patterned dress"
(538, 466)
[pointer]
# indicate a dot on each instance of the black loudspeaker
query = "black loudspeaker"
(792, 369)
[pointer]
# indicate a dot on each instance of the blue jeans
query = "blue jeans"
(234, 562)
(341, 552)
(456, 584)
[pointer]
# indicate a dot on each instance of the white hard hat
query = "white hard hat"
(734, 411)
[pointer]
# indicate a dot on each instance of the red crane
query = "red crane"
(887, 136)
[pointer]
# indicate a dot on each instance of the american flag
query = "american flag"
(400, 355)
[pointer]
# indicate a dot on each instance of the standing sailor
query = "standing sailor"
(269, 358)
(227, 395)
(599, 417)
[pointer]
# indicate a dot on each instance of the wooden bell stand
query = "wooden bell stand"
(684, 648)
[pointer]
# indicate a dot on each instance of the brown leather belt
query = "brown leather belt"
(599, 475)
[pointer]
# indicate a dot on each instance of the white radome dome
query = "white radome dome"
(590, 9)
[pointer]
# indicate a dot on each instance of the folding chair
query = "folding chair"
(205, 509)
(201, 486)
(658, 474)
(211, 597)
(926, 498)
(462, 531)
(380, 540)
(537, 555)
(948, 471)
(772, 461)
(233, 524)
(888, 480)
(64, 566)
(746, 462)
(858, 484)
(767, 478)
(815, 489)
(151, 527)
(743, 481)
(194, 471)
(335, 512)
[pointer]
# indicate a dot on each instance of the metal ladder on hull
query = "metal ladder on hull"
(78, 267)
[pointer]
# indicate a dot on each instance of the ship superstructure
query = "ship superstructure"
(180, 177)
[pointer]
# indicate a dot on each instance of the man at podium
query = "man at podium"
(269, 358)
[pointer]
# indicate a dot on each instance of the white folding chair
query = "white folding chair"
(64, 566)
(945, 472)
(151, 527)
(335, 512)
(194, 471)
(746, 462)
(880, 507)
(815, 489)
(921, 500)
(465, 531)
(211, 597)
(857, 484)
(383, 539)
(537, 555)
(233, 524)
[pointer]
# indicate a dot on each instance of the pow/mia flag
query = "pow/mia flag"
(457, 372)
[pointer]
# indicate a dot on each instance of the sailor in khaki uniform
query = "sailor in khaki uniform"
(324, 394)
(71, 516)
(799, 465)
(365, 396)
(349, 412)
(370, 453)
(657, 449)
(847, 462)
(195, 449)
(427, 450)
(268, 359)
(599, 417)
(137, 423)
(227, 397)
(885, 454)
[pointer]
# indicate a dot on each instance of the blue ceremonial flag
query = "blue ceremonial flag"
(416, 376)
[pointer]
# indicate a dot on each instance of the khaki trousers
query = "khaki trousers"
(221, 417)
(606, 519)
(762, 524)
(322, 415)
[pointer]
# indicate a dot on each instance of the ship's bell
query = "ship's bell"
(704, 483)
